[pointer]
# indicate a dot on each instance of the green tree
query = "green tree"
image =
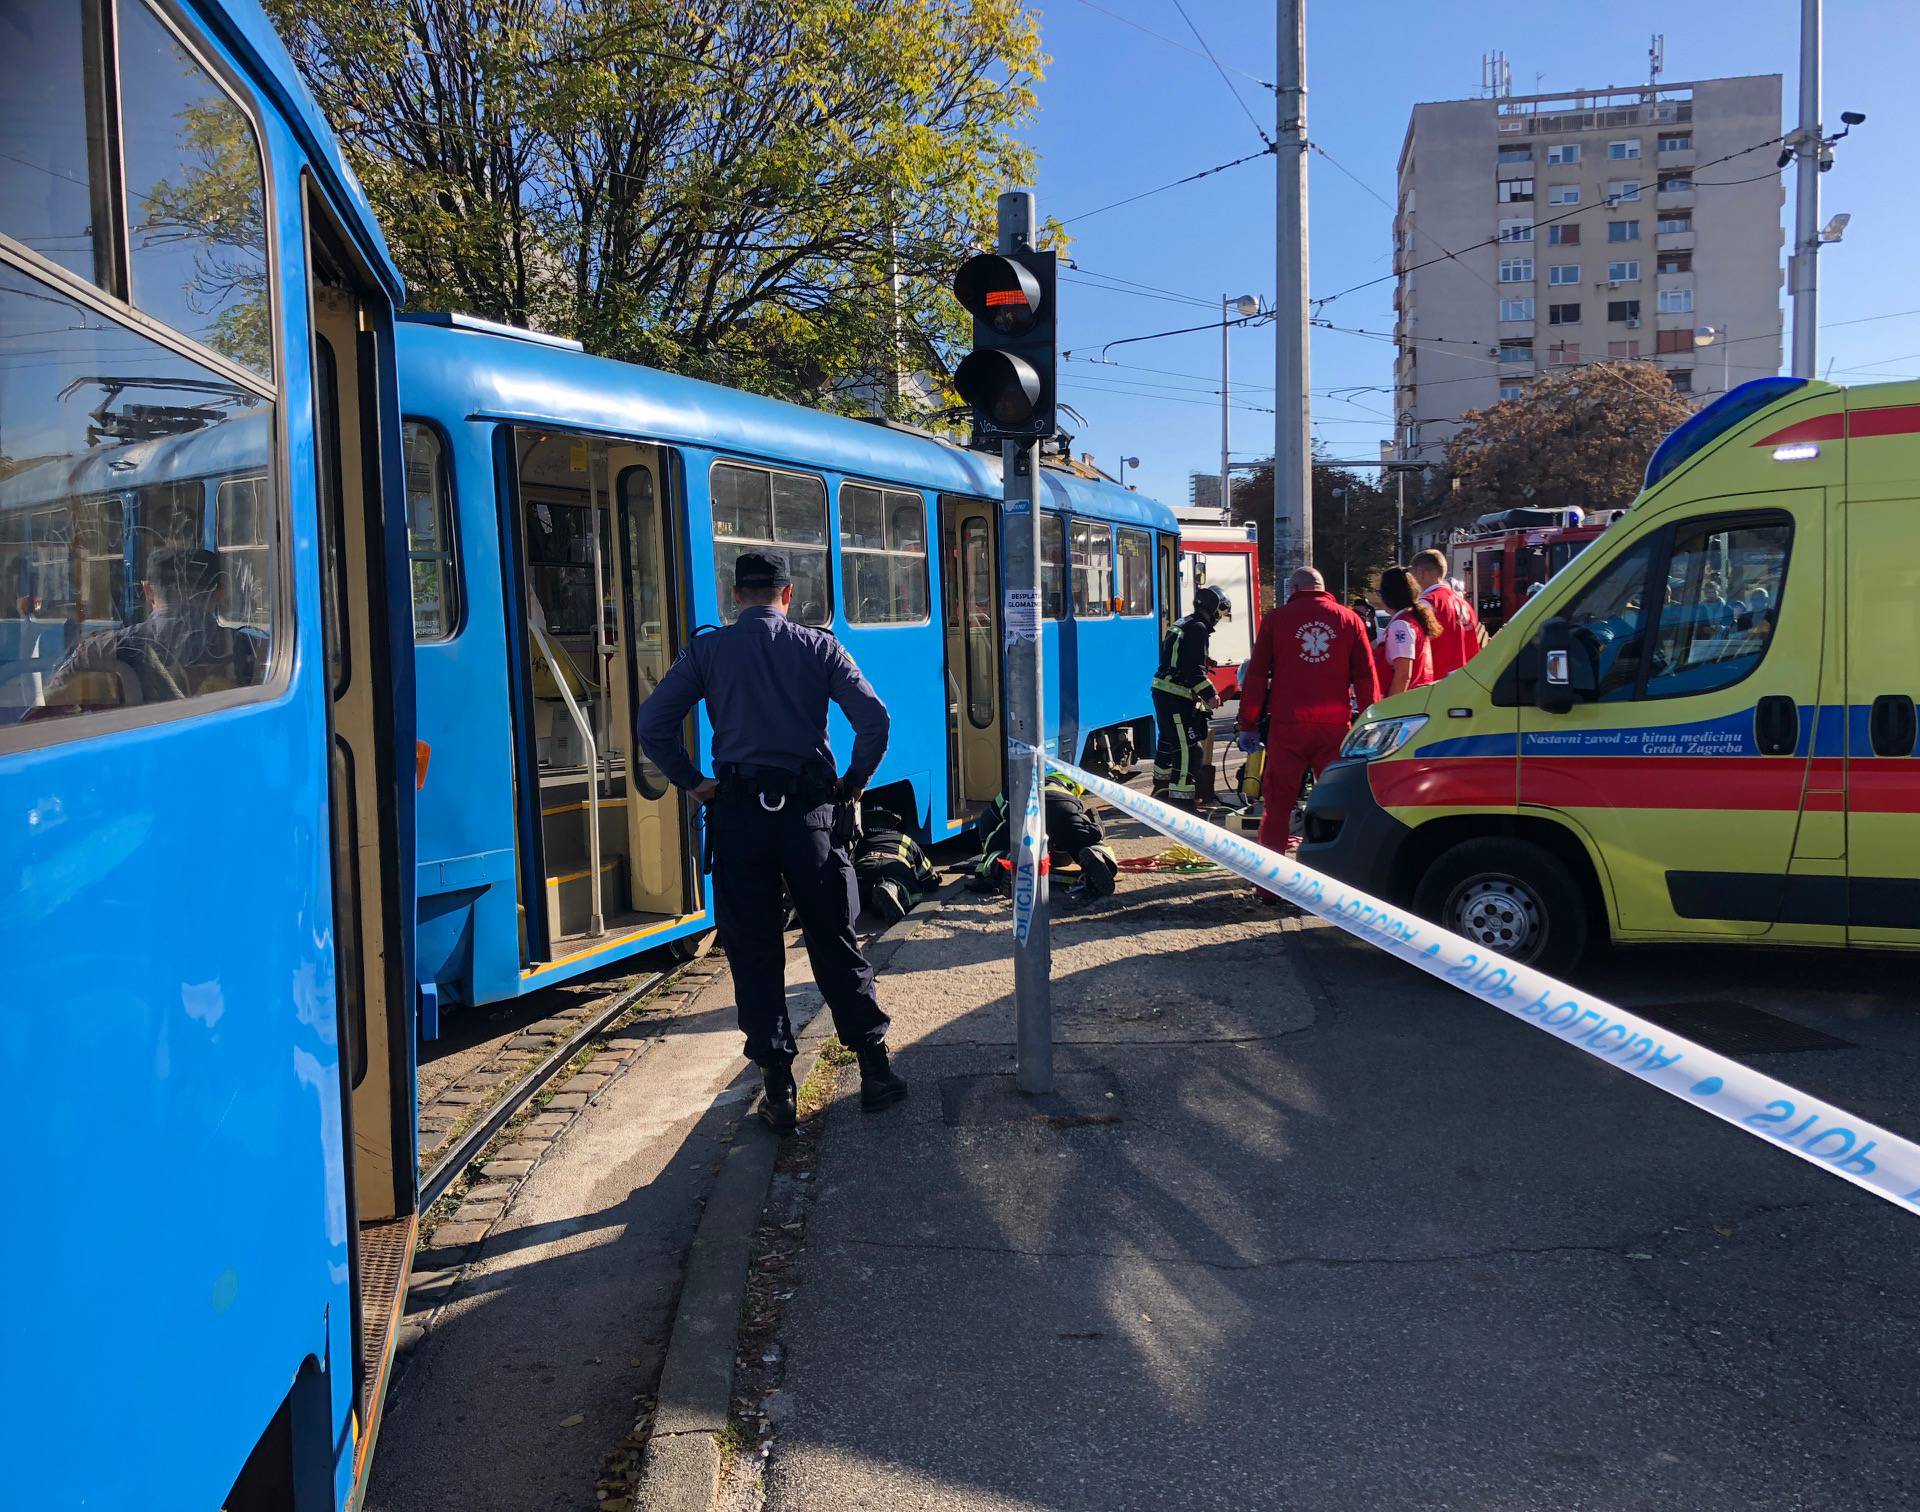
(769, 193)
(1577, 437)
(1352, 524)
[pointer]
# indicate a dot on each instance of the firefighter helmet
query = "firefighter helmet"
(1211, 602)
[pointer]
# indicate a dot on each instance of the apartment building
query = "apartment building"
(1594, 225)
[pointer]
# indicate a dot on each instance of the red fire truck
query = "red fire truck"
(1223, 557)
(1511, 551)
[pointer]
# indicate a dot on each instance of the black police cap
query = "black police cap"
(761, 569)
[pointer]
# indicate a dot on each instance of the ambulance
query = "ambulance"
(1702, 729)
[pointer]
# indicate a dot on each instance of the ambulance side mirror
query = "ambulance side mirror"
(1553, 687)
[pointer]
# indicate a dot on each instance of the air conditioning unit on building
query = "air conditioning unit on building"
(1633, 324)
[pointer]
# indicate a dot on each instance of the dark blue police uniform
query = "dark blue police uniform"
(778, 813)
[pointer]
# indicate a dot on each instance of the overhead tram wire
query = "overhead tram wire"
(1377, 195)
(1191, 178)
(1251, 117)
(1173, 42)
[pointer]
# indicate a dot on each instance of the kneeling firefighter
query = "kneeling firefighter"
(1182, 695)
(891, 868)
(1073, 835)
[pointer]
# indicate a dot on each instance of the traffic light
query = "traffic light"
(1008, 377)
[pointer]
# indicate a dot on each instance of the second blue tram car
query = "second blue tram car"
(575, 520)
(206, 770)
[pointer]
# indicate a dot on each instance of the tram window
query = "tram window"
(436, 608)
(1053, 567)
(755, 508)
(116, 589)
(1136, 571)
(883, 555)
(196, 196)
(983, 645)
(1092, 569)
(54, 187)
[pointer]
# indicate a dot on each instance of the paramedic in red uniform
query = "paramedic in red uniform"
(1460, 636)
(1310, 673)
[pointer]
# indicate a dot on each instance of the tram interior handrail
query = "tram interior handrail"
(593, 767)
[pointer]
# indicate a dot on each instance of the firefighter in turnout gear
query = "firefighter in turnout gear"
(892, 870)
(1182, 695)
(1073, 836)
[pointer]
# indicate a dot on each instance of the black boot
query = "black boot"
(779, 1098)
(880, 1086)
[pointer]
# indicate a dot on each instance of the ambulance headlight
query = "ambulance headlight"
(1380, 737)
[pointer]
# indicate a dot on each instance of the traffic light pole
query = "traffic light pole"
(1026, 796)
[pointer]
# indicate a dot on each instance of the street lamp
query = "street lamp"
(1706, 335)
(1125, 463)
(1245, 305)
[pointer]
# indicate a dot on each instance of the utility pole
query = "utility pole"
(1026, 730)
(1292, 426)
(1807, 148)
(1226, 490)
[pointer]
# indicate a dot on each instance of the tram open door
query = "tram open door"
(605, 855)
(976, 706)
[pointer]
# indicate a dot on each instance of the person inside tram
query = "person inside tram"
(179, 649)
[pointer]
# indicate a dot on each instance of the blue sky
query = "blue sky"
(1123, 111)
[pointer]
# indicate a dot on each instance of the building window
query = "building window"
(1676, 183)
(1512, 390)
(1517, 351)
(1680, 221)
(1516, 230)
(1563, 314)
(1674, 262)
(429, 532)
(1517, 191)
(1136, 571)
(1620, 152)
(1516, 154)
(1563, 236)
(1563, 194)
(1628, 349)
(1516, 309)
(1623, 231)
(1623, 191)
(756, 507)
(1566, 152)
(1564, 353)
(1564, 273)
(1676, 143)
(1676, 301)
(1623, 272)
(1682, 380)
(883, 555)
(1673, 341)
(1516, 270)
(1623, 309)
(1092, 547)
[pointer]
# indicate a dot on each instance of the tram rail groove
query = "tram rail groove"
(461, 1153)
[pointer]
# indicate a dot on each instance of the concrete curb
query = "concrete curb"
(681, 1467)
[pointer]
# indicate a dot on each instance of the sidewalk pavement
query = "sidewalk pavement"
(1320, 1233)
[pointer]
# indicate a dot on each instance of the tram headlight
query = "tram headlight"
(1375, 738)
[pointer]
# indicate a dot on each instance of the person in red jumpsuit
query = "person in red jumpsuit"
(1310, 673)
(1460, 637)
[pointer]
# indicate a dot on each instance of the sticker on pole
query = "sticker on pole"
(1829, 1137)
(1020, 613)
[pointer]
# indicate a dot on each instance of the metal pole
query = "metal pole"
(1226, 492)
(1806, 196)
(1292, 427)
(1020, 579)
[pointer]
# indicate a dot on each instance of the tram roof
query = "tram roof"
(487, 372)
(244, 26)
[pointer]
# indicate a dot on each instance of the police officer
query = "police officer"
(1182, 694)
(776, 810)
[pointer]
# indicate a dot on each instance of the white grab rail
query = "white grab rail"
(593, 766)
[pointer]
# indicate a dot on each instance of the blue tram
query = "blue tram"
(207, 768)
(575, 520)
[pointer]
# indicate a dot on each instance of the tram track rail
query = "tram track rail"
(466, 1146)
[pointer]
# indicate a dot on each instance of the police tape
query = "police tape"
(1029, 856)
(1868, 1156)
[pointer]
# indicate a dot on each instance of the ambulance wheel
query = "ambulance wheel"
(1509, 896)
(691, 947)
